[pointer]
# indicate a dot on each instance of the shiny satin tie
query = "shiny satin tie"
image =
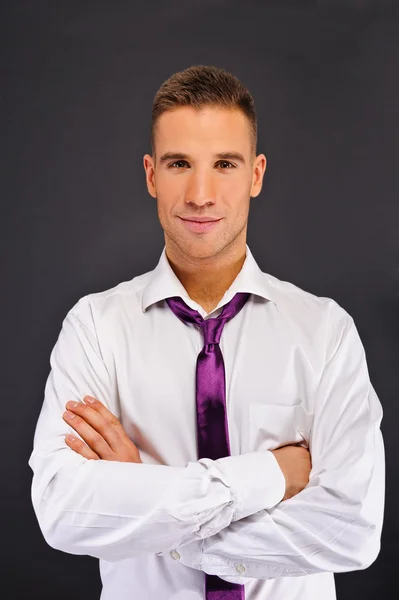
(212, 427)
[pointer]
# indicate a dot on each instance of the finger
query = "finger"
(80, 447)
(101, 420)
(122, 445)
(91, 436)
(111, 419)
(107, 414)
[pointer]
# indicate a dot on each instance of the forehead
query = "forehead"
(186, 127)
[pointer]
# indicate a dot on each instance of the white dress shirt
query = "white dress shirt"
(296, 372)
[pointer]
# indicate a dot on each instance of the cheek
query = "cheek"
(236, 188)
(169, 194)
(167, 212)
(165, 201)
(238, 197)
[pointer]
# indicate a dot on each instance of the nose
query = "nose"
(200, 189)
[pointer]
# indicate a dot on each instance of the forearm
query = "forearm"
(115, 510)
(335, 523)
(316, 531)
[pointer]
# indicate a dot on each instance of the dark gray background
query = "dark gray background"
(77, 84)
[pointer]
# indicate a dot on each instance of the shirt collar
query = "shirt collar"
(163, 283)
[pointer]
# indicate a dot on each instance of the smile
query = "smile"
(199, 227)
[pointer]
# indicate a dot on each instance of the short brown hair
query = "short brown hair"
(202, 85)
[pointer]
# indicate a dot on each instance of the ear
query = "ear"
(259, 169)
(149, 168)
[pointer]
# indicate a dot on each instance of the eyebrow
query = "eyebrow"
(221, 155)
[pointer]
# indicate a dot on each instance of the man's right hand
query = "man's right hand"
(295, 463)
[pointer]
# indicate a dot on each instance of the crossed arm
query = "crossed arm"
(99, 499)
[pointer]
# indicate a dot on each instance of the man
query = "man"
(249, 464)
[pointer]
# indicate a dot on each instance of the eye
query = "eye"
(226, 162)
(177, 162)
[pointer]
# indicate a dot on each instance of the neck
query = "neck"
(206, 280)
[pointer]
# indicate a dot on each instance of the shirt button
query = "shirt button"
(240, 568)
(175, 555)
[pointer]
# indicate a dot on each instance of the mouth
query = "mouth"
(199, 226)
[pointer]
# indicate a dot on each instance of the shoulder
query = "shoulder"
(111, 303)
(296, 302)
(315, 321)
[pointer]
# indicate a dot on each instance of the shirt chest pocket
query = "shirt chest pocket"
(271, 426)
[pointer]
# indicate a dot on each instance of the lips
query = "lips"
(200, 226)
(200, 219)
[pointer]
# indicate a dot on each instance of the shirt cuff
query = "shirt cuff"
(256, 480)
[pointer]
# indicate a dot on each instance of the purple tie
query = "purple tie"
(212, 427)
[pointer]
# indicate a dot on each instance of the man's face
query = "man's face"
(201, 184)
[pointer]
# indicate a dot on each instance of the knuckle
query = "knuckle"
(114, 421)
(108, 427)
(97, 439)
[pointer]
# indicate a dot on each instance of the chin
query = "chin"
(194, 248)
(204, 250)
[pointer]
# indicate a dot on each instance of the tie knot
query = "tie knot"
(212, 328)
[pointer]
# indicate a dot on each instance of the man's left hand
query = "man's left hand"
(101, 430)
